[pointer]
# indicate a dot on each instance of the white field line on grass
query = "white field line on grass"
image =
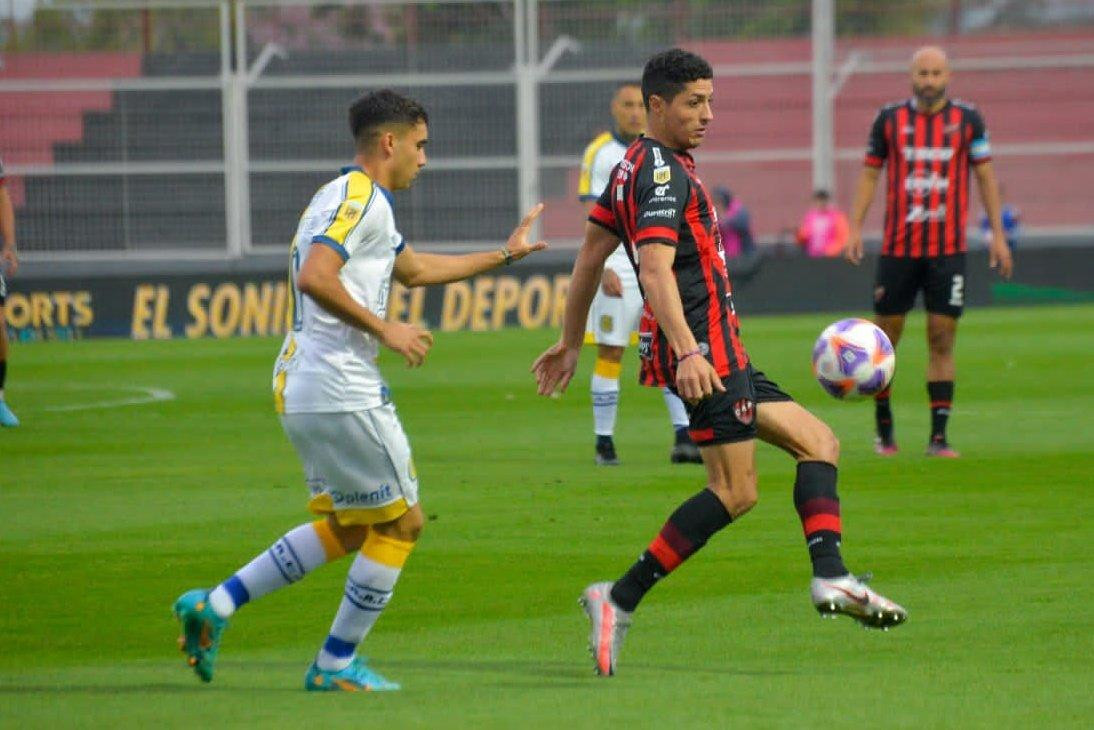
(142, 395)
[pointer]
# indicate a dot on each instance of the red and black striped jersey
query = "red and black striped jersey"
(927, 181)
(654, 196)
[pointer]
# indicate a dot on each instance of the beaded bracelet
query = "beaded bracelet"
(686, 355)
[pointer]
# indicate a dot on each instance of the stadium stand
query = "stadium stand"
(766, 115)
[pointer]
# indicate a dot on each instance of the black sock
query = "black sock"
(682, 436)
(940, 393)
(688, 529)
(3, 369)
(603, 440)
(883, 416)
(818, 506)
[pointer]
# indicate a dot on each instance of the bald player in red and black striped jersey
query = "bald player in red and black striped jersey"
(928, 144)
(690, 340)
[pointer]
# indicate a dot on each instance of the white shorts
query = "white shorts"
(357, 464)
(613, 319)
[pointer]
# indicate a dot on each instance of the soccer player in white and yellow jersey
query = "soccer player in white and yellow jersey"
(333, 403)
(617, 307)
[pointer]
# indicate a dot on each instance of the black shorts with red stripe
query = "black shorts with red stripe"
(730, 417)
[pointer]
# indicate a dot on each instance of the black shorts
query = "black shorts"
(725, 418)
(899, 279)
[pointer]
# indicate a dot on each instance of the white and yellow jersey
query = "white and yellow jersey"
(325, 365)
(603, 154)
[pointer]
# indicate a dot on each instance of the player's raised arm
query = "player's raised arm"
(319, 279)
(555, 367)
(413, 268)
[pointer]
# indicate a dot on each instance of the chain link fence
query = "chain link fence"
(175, 128)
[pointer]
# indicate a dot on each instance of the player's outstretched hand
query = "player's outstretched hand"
(853, 251)
(554, 368)
(517, 245)
(999, 257)
(409, 340)
(610, 284)
(696, 379)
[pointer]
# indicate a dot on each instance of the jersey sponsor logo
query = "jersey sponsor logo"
(343, 499)
(660, 213)
(923, 214)
(926, 183)
(662, 175)
(928, 154)
(744, 410)
(607, 323)
(663, 199)
(661, 190)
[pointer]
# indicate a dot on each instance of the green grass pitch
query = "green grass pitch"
(109, 513)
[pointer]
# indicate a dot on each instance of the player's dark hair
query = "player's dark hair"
(667, 73)
(377, 108)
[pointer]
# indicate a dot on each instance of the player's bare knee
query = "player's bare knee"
(826, 445)
(407, 528)
(737, 493)
(941, 343)
(611, 353)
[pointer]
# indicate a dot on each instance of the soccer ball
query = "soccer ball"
(853, 359)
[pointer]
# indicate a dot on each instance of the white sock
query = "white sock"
(286, 561)
(605, 392)
(368, 589)
(678, 414)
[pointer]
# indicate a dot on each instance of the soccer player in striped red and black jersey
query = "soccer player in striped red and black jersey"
(690, 340)
(927, 145)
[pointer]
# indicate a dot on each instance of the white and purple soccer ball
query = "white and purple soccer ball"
(853, 359)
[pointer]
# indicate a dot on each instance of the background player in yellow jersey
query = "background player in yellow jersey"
(617, 306)
(334, 405)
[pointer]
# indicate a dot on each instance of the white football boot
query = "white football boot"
(849, 595)
(609, 625)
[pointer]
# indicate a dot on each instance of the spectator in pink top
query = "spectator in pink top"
(823, 230)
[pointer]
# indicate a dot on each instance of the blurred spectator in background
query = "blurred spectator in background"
(823, 230)
(734, 224)
(1012, 220)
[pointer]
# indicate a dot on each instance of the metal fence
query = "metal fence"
(200, 128)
